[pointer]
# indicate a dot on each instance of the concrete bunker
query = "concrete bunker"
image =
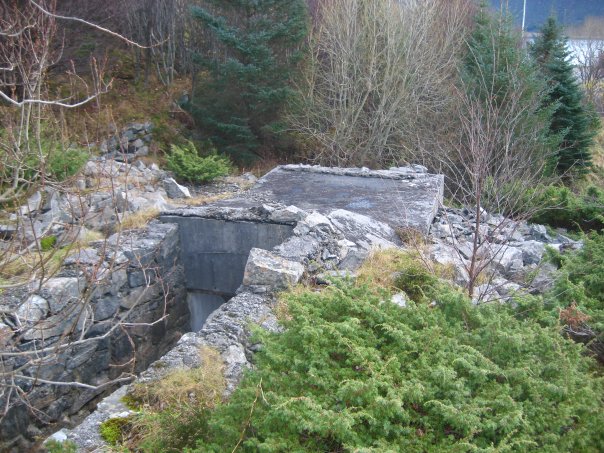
(216, 239)
(297, 219)
(214, 253)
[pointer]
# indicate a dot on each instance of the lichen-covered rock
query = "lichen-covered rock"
(265, 268)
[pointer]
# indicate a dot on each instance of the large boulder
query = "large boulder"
(264, 268)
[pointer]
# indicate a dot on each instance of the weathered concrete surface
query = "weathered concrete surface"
(215, 256)
(400, 197)
(215, 251)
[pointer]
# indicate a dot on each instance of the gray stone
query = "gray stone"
(299, 248)
(484, 294)
(266, 268)
(33, 204)
(140, 278)
(7, 232)
(85, 257)
(399, 299)
(5, 334)
(33, 309)
(142, 151)
(71, 320)
(366, 232)
(316, 220)
(106, 307)
(538, 233)
(80, 184)
(60, 291)
(508, 259)
(137, 127)
(122, 201)
(175, 190)
(532, 252)
(544, 278)
(290, 214)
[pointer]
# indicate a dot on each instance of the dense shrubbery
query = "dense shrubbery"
(581, 283)
(564, 208)
(63, 164)
(188, 165)
(354, 372)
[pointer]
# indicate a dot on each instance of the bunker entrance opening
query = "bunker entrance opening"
(214, 254)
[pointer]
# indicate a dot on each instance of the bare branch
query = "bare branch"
(90, 24)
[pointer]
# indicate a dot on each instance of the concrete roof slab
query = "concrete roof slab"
(406, 197)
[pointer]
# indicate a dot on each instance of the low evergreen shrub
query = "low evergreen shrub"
(577, 212)
(354, 372)
(579, 288)
(63, 164)
(188, 165)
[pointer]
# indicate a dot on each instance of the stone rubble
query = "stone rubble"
(95, 290)
(513, 251)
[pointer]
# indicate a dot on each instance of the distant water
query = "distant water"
(577, 46)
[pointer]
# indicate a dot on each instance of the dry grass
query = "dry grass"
(185, 388)
(127, 102)
(262, 167)
(16, 268)
(139, 219)
(171, 406)
(381, 266)
(88, 237)
(201, 200)
(19, 267)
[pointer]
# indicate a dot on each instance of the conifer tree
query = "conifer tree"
(505, 87)
(573, 120)
(248, 67)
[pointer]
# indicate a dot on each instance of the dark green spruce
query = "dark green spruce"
(573, 120)
(501, 79)
(253, 54)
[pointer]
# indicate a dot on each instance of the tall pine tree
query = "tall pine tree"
(500, 79)
(573, 120)
(248, 67)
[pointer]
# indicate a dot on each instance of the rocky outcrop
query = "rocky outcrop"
(511, 250)
(132, 142)
(115, 306)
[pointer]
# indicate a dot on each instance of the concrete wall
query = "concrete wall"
(214, 254)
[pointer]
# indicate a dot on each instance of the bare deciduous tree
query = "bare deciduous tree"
(35, 342)
(165, 27)
(589, 55)
(378, 80)
(497, 162)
